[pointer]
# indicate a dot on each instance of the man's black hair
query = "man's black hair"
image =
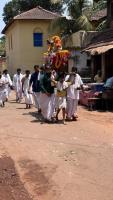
(61, 75)
(42, 67)
(27, 71)
(18, 69)
(36, 66)
(74, 69)
(5, 70)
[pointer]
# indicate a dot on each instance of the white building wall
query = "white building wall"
(78, 60)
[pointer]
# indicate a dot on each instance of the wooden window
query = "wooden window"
(38, 39)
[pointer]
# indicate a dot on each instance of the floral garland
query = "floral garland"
(55, 55)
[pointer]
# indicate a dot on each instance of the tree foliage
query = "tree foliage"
(2, 46)
(15, 7)
(77, 19)
(101, 4)
(80, 12)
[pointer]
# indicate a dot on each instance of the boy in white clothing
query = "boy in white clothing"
(73, 94)
(61, 104)
(17, 83)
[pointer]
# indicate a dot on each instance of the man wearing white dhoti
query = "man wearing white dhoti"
(47, 96)
(2, 90)
(17, 83)
(25, 89)
(73, 94)
(9, 83)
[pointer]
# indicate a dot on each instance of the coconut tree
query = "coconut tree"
(97, 6)
(77, 19)
(79, 13)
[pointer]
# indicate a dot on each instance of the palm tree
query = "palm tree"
(77, 20)
(97, 6)
(79, 12)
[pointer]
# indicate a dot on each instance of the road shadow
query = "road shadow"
(103, 106)
(11, 186)
(92, 110)
(40, 176)
(14, 102)
(40, 119)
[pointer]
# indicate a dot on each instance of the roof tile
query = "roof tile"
(37, 13)
(102, 39)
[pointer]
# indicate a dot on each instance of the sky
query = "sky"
(2, 4)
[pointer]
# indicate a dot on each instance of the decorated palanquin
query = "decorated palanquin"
(55, 56)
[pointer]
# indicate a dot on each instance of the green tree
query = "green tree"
(97, 6)
(78, 19)
(15, 7)
(79, 12)
(2, 46)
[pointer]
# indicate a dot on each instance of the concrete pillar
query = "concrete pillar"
(103, 66)
(92, 68)
(70, 64)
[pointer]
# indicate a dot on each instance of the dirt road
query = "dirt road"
(55, 162)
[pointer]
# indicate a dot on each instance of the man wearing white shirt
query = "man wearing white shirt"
(7, 78)
(17, 83)
(73, 94)
(2, 90)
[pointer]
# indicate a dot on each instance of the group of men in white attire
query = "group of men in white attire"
(21, 86)
(50, 91)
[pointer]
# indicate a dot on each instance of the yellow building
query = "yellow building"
(26, 37)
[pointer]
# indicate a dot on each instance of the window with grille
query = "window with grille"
(38, 39)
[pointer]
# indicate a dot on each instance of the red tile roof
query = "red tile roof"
(37, 13)
(99, 15)
(103, 39)
(104, 36)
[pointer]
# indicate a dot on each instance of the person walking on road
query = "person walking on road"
(35, 83)
(25, 89)
(47, 95)
(8, 86)
(2, 90)
(73, 94)
(17, 83)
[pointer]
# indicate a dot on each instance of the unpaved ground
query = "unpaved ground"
(11, 187)
(56, 162)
